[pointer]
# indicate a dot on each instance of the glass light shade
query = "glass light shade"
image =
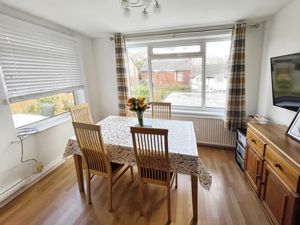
(145, 14)
(156, 7)
(124, 4)
(126, 11)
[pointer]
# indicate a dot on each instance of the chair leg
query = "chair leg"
(131, 172)
(110, 193)
(88, 184)
(141, 190)
(169, 202)
(176, 180)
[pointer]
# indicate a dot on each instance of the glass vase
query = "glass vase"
(140, 116)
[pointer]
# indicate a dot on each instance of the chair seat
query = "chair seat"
(115, 167)
(155, 174)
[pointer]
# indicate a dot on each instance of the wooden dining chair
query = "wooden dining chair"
(96, 158)
(81, 113)
(152, 157)
(161, 110)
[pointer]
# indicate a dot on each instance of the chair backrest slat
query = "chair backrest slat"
(151, 151)
(81, 114)
(161, 110)
(92, 148)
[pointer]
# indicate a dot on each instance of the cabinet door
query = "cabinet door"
(277, 198)
(253, 168)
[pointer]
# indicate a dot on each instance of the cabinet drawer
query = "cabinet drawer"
(253, 140)
(282, 168)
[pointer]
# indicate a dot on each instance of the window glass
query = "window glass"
(179, 76)
(216, 69)
(34, 110)
(138, 71)
(177, 81)
(176, 49)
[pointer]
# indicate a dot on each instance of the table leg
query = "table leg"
(79, 173)
(194, 182)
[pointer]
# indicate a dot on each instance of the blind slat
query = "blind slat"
(44, 50)
(38, 45)
(37, 39)
(39, 62)
(25, 82)
(12, 67)
(12, 76)
(40, 87)
(53, 37)
(34, 61)
(38, 94)
(36, 55)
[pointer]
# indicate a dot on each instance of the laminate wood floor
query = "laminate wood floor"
(56, 200)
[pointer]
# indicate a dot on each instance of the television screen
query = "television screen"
(286, 81)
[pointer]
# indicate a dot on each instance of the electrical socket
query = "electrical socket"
(38, 166)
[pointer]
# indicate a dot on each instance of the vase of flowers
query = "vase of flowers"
(138, 105)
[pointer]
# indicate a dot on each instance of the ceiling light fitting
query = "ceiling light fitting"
(144, 4)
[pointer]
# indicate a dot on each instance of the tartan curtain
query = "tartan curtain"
(121, 70)
(235, 115)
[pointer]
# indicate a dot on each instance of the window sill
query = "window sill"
(45, 124)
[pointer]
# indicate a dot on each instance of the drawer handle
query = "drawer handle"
(277, 165)
(253, 141)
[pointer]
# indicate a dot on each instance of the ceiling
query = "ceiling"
(96, 18)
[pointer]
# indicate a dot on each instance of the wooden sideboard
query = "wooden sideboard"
(273, 171)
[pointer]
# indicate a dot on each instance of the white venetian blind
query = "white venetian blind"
(36, 61)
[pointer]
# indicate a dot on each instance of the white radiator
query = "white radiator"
(210, 131)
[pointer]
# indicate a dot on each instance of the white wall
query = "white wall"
(92, 80)
(282, 34)
(46, 146)
(104, 50)
(106, 72)
(254, 46)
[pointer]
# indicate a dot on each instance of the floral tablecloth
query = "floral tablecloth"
(183, 152)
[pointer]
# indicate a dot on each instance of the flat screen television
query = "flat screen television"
(286, 81)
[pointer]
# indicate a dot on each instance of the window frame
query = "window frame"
(193, 110)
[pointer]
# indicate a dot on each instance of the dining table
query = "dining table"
(183, 150)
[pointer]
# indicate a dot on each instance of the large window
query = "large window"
(191, 74)
(40, 71)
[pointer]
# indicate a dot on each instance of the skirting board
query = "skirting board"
(27, 183)
(216, 145)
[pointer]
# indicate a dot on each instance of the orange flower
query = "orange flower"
(142, 104)
(141, 98)
(137, 104)
(130, 100)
